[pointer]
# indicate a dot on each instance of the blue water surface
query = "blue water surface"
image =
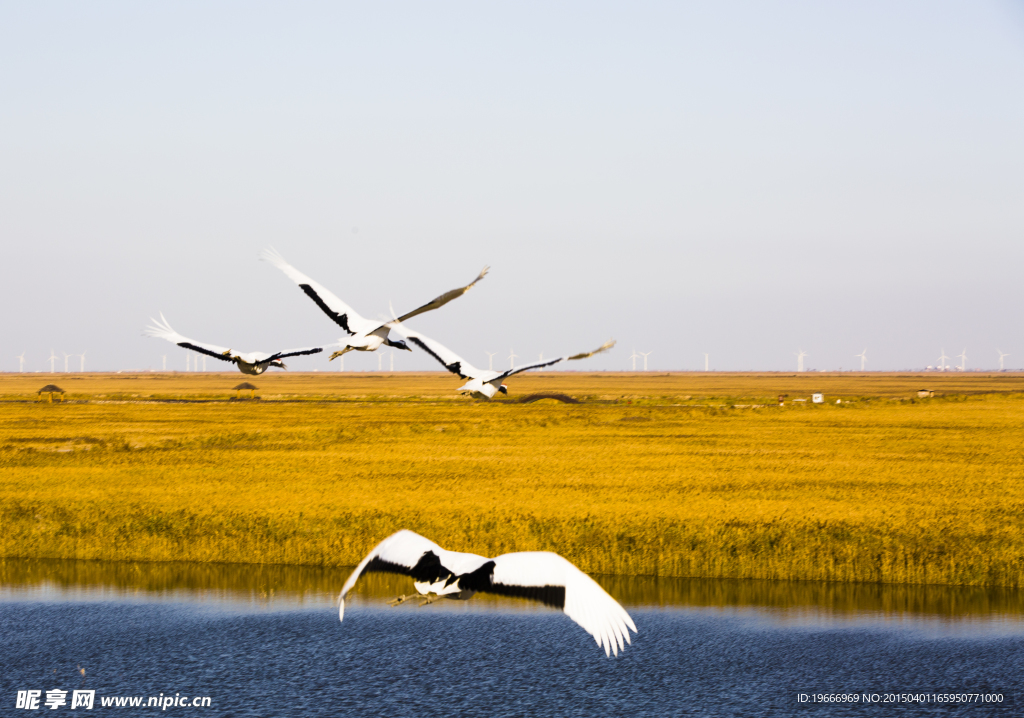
(423, 662)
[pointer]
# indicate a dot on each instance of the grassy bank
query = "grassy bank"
(910, 491)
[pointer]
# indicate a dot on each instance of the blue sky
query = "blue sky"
(739, 178)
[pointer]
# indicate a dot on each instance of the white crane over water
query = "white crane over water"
(535, 575)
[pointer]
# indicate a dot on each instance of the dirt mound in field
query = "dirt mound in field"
(564, 398)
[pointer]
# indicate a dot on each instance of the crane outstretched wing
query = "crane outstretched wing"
(163, 330)
(548, 362)
(440, 301)
(294, 353)
(398, 553)
(555, 581)
(537, 575)
(447, 358)
(340, 313)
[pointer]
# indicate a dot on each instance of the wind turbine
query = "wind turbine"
(53, 358)
(863, 358)
(1001, 357)
(705, 361)
(963, 359)
(645, 355)
(21, 362)
(800, 360)
(81, 368)
(512, 359)
(66, 356)
(380, 362)
(634, 356)
(188, 362)
(164, 356)
(490, 360)
(942, 361)
(392, 357)
(204, 363)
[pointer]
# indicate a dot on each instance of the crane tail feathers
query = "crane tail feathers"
(162, 329)
(273, 256)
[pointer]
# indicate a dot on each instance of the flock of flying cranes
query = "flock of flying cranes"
(438, 573)
(537, 575)
(365, 335)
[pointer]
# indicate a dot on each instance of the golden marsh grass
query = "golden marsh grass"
(654, 475)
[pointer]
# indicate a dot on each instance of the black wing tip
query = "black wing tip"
(379, 565)
(305, 352)
(457, 370)
(340, 319)
(551, 596)
(207, 352)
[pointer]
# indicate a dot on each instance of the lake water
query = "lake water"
(266, 641)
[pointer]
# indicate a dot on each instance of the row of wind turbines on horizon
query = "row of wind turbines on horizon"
(942, 361)
(512, 356)
(193, 364)
(53, 361)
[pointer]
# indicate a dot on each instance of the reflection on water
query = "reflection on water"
(205, 630)
(70, 579)
(43, 579)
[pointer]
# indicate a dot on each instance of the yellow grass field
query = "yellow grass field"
(699, 475)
